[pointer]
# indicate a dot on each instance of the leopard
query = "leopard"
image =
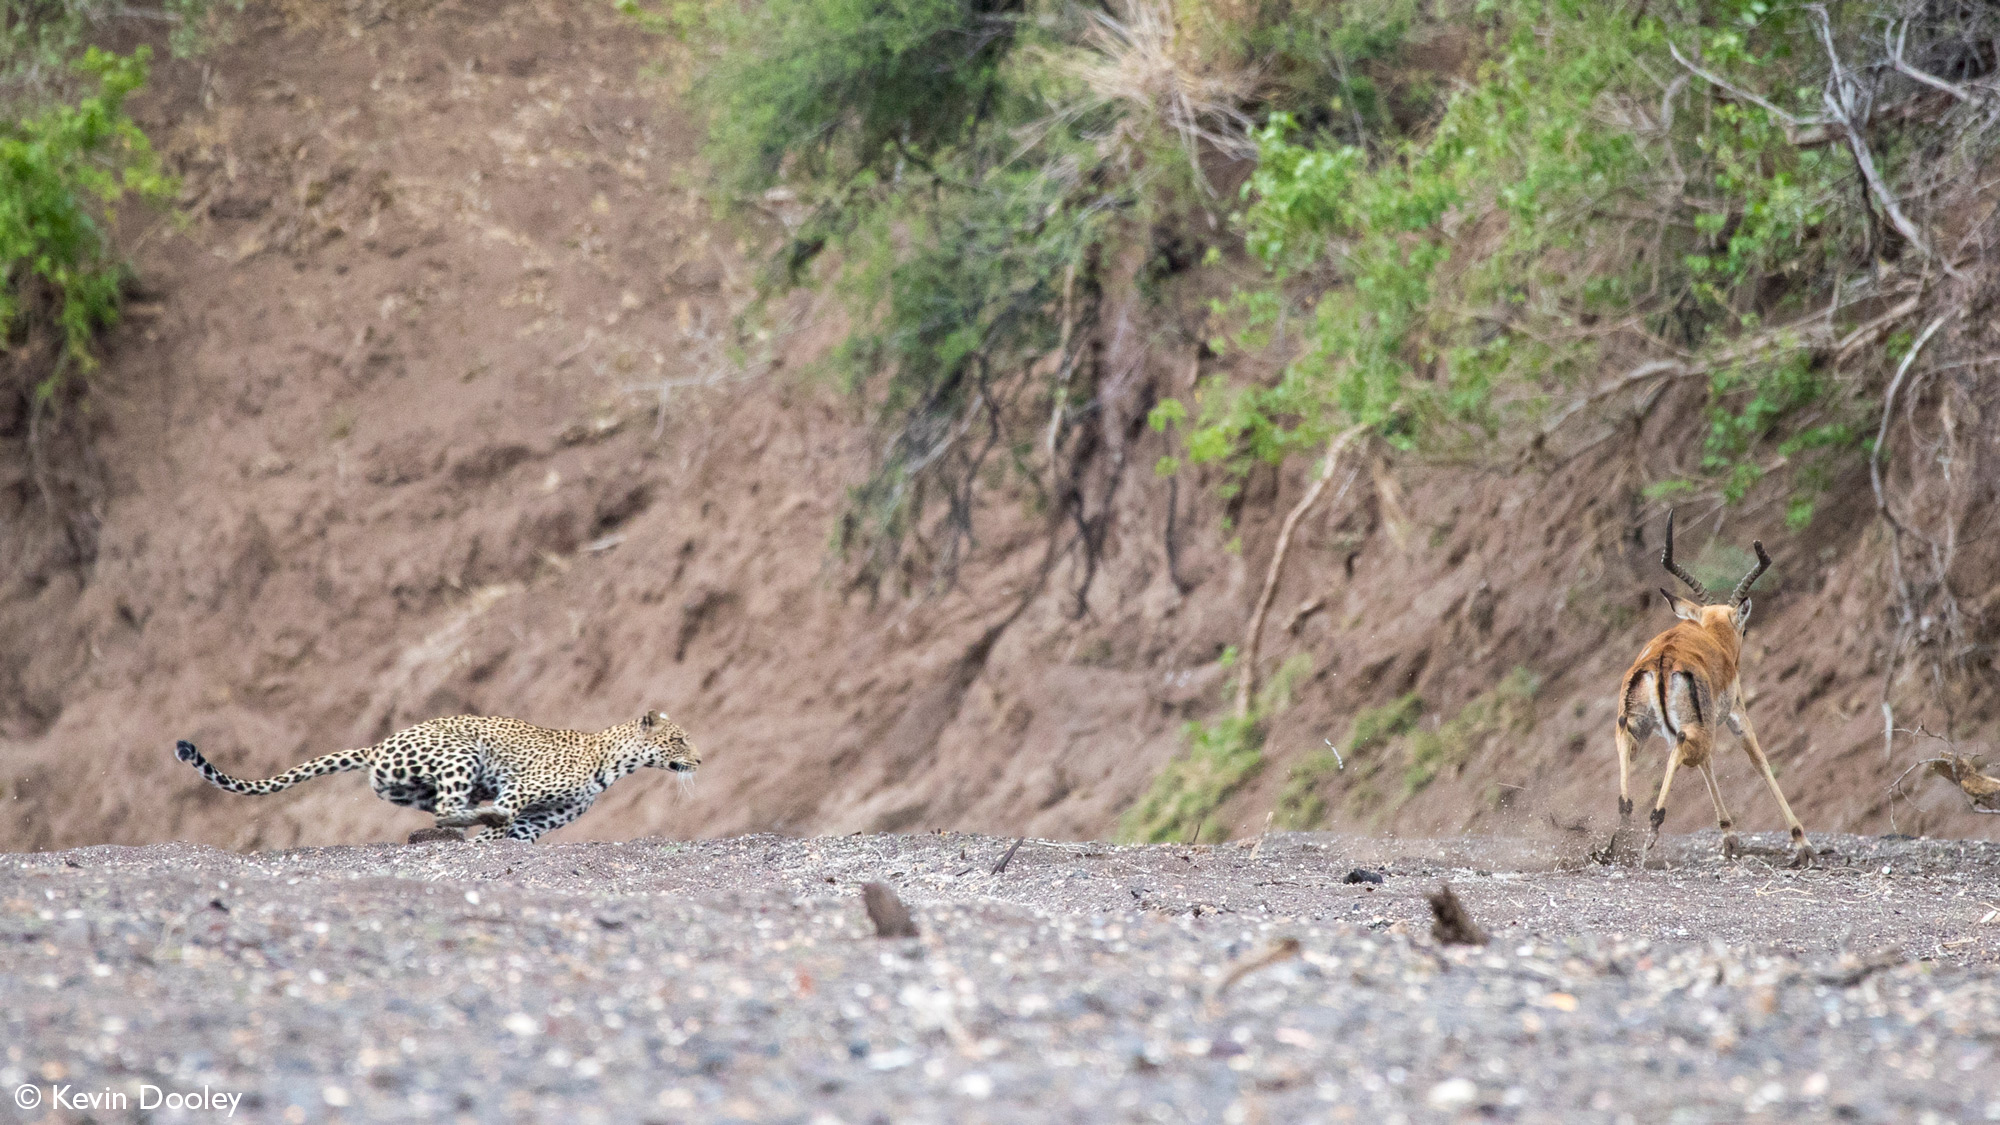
(511, 779)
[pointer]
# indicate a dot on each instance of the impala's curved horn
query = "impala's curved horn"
(1743, 587)
(1667, 560)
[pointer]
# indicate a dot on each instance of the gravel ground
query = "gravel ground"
(738, 979)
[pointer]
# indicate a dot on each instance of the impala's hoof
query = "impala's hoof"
(1730, 849)
(1802, 857)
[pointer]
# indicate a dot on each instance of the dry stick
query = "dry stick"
(1888, 408)
(1952, 768)
(1246, 684)
(1639, 374)
(1282, 949)
(1001, 867)
(1864, 335)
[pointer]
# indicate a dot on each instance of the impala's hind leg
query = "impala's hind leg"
(1739, 721)
(1722, 820)
(1636, 723)
(1674, 758)
(1626, 744)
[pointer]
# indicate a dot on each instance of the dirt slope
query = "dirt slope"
(431, 409)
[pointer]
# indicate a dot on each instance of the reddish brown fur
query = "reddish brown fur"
(1685, 682)
(1708, 650)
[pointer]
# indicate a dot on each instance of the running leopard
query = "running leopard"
(514, 778)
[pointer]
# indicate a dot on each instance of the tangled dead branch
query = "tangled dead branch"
(1981, 790)
(1982, 793)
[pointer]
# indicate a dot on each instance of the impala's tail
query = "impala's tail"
(304, 771)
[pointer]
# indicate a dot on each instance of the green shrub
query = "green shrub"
(62, 170)
(965, 174)
(1301, 804)
(40, 39)
(833, 89)
(1468, 278)
(1506, 708)
(1221, 755)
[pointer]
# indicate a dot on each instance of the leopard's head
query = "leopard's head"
(666, 744)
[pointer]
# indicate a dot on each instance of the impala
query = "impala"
(1686, 681)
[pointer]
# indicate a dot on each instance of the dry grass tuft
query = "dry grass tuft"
(1148, 64)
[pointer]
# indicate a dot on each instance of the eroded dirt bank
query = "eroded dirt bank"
(431, 409)
(739, 980)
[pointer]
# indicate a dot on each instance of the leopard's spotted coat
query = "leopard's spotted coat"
(513, 777)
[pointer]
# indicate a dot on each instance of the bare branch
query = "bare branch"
(1847, 115)
(1865, 160)
(1848, 109)
(1893, 38)
(1882, 432)
(1648, 370)
(1246, 684)
(1802, 132)
(1867, 333)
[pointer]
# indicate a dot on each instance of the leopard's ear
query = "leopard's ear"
(647, 720)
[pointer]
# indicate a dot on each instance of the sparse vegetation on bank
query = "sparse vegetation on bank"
(63, 168)
(1221, 755)
(69, 153)
(1504, 232)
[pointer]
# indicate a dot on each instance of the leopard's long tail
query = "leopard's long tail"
(304, 771)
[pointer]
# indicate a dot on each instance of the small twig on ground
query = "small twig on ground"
(1451, 923)
(891, 917)
(1982, 793)
(1283, 949)
(1853, 972)
(1264, 835)
(1001, 867)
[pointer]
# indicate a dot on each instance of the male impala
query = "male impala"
(1684, 682)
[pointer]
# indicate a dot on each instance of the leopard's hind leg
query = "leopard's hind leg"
(545, 817)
